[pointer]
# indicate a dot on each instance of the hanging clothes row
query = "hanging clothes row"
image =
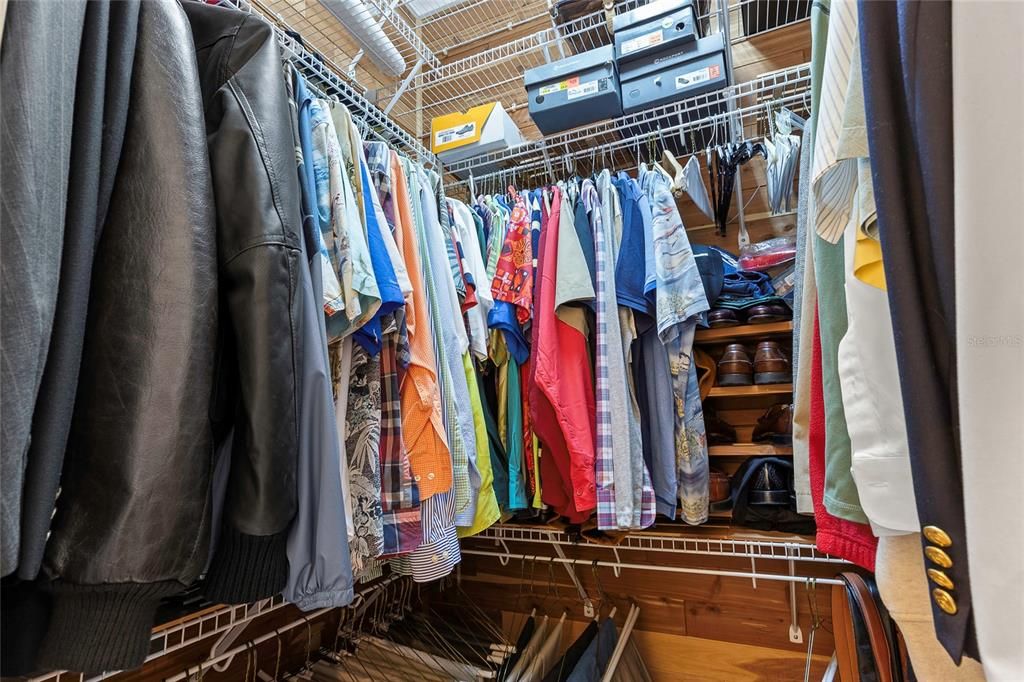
(275, 388)
(596, 299)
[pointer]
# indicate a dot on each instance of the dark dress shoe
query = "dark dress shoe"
(769, 486)
(775, 426)
(719, 431)
(735, 368)
(769, 312)
(771, 366)
(723, 317)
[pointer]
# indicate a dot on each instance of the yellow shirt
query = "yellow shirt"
(487, 512)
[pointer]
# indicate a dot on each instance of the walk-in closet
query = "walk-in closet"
(512, 340)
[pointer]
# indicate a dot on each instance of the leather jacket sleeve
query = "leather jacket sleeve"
(258, 221)
(131, 520)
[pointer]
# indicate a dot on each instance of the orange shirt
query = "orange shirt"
(422, 426)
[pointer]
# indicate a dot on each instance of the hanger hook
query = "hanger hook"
(597, 580)
(554, 582)
(309, 640)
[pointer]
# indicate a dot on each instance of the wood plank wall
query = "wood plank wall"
(690, 626)
(678, 658)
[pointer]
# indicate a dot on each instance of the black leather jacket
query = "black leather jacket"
(252, 158)
(191, 338)
(131, 522)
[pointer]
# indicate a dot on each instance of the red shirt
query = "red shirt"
(561, 393)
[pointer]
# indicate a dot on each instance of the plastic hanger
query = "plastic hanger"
(658, 168)
(672, 165)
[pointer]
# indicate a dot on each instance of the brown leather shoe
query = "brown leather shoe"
(706, 371)
(769, 312)
(735, 368)
(771, 366)
(719, 431)
(722, 317)
(718, 486)
(775, 426)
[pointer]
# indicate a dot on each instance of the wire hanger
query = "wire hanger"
(816, 622)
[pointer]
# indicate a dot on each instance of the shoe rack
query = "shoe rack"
(741, 406)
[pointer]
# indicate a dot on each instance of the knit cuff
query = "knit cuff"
(94, 628)
(860, 551)
(246, 568)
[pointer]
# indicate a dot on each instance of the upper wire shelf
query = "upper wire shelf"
(496, 74)
(687, 125)
(463, 23)
(326, 77)
(396, 25)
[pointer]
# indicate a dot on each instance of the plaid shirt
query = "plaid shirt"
(605, 459)
(625, 496)
(400, 499)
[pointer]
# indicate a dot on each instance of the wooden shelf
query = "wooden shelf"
(750, 450)
(743, 331)
(754, 390)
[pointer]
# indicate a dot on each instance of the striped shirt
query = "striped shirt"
(439, 552)
(450, 342)
(834, 178)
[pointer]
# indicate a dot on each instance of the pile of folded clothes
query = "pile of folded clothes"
(741, 296)
(747, 297)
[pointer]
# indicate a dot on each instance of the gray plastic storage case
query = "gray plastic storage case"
(575, 91)
(678, 74)
(660, 26)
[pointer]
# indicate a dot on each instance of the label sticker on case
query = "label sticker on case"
(583, 90)
(455, 133)
(563, 85)
(640, 42)
(698, 76)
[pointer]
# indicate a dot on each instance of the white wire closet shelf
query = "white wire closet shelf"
(455, 24)
(783, 550)
(496, 73)
(325, 76)
(415, 48)
(688, 123)
(374, 29)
